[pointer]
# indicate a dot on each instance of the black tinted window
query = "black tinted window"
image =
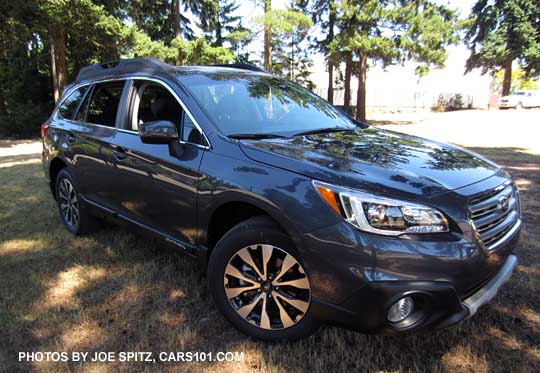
(155, 102)
(190, 133)
(103, 104)
(69, 105)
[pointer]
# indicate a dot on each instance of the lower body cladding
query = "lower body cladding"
(426, 285)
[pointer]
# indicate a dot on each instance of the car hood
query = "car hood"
(375, 160)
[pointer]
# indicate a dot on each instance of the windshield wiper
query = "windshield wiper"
(256, 136)
(323, 130)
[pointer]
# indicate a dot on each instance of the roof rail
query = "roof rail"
(241, 66)
(120, 66)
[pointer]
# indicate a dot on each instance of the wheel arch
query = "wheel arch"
(57, 165)
(226, 214)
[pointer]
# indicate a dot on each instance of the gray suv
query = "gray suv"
(301, 214)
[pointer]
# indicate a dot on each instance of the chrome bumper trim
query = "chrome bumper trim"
(486, 293)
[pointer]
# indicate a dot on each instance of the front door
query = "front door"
(155, 186)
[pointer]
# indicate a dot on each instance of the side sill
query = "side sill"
(188, 249)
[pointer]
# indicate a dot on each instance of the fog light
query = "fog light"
(401, 309)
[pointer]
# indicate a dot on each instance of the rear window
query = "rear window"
(69, 105)
(103, 105)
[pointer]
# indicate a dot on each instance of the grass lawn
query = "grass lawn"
(115, 291)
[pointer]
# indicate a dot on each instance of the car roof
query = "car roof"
(156, 67)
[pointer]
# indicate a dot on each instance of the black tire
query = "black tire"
(255, 232)
(81, 223)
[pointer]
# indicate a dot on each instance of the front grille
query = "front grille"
(494, 214)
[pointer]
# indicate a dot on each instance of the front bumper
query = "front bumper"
(439, 304)
(488, 291)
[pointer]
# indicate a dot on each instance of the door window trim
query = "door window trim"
(155, 80)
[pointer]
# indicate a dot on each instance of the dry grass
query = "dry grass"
(114, 291)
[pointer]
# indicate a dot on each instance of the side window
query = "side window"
(68, 107)
(154, 102)
(190, 133)
(103, 104)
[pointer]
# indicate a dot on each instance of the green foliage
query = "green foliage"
(394, 31)
(503, 31)
(217, 20)
(141, 45)
(289, 29)
(156, 18)
(520, 81)
(291, 57)
(451, 102)
(199, 52)
(284, 22)
(239, 39)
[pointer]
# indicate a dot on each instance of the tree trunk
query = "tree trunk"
(267, 37)
(176, 18)
(507, 82)
(361, 93)
(2, 104)
(330, 94)
(348, 75)
(58, 59)
(219, 31)
(331, 25)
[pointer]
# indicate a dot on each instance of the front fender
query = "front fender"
(287, 197)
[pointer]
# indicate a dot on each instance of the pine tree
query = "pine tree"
(217, 20)
(239, 39)
(324, 13)
(296, 60)
(391, 32)
(278, 26)
(163, 19)
(502, 32)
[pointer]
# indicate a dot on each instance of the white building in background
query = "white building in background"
(398, 86)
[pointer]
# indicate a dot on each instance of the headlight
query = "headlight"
(379, 214)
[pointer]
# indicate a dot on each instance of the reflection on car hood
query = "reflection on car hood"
(376, 160)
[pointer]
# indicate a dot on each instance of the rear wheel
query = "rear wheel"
(259, 283)
(73, 211)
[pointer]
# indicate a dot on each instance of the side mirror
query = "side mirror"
(158, 132)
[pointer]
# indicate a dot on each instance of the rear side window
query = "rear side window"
(69, 105)
(102, 106)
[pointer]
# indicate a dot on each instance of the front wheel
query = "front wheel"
(259, 284)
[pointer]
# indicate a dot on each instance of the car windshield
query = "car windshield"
(242, 104)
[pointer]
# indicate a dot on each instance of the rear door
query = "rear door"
(94, 130)
(155, 186)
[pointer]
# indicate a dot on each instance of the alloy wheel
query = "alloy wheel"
(68, 202)
(267, 287)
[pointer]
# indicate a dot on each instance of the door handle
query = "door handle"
(119, 153)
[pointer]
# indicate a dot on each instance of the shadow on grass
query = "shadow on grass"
(114, 291)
